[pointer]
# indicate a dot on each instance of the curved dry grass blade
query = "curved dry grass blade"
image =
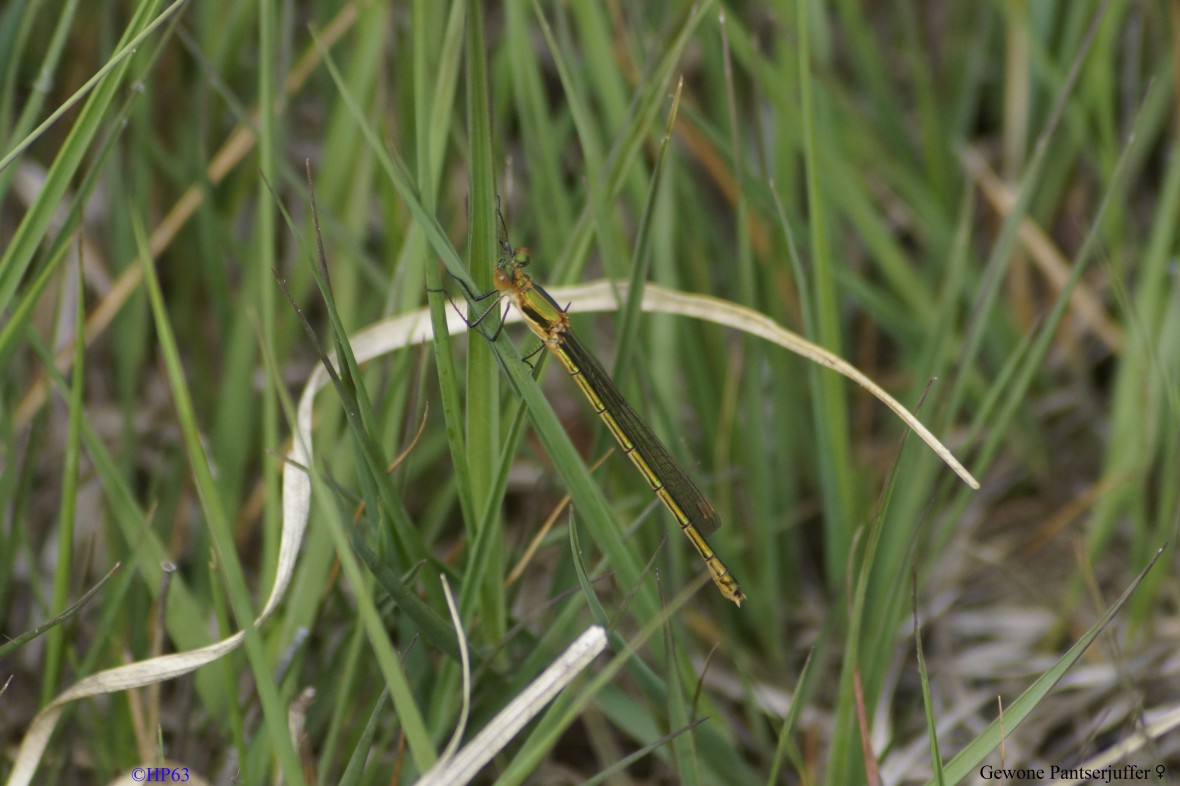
(503, 728)
(599, 297)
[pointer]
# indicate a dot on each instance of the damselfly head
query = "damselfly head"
(508, 274)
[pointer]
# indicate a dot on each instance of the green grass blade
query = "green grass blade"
(217, 521)
(55, 644)
(969, 759)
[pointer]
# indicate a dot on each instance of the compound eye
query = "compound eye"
(521, 256)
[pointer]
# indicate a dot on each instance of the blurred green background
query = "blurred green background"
(974, 203)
